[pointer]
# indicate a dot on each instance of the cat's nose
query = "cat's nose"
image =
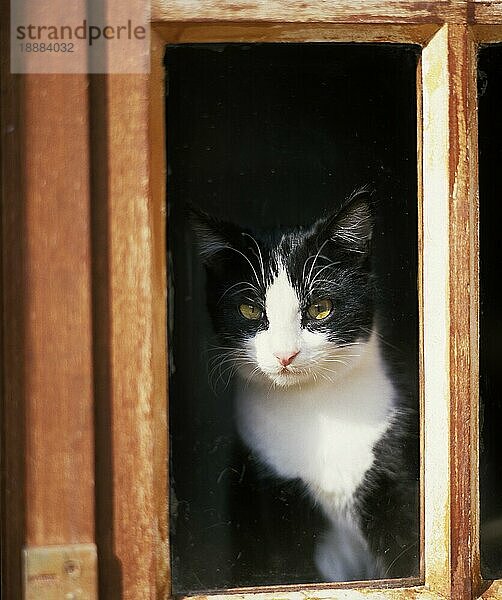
(286, 358)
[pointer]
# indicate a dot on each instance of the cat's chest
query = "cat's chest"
(324, 435)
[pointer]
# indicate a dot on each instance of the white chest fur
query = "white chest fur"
(323, 432)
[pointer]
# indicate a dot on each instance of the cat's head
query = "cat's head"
(290, 308)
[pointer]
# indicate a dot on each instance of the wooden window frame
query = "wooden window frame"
(84, 438)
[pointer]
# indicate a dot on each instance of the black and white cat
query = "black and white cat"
(294, 313)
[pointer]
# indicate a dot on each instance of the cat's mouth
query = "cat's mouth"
(287, 371)
(288, 376)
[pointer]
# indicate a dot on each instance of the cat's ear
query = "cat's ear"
(352, 226)
(212, 235)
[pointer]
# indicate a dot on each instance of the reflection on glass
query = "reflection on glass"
(490, 187)
(292, 218)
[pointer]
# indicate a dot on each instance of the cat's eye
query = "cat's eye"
(251, 312)
(321, 309)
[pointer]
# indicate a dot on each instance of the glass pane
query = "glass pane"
(490, 187)
(293, 337)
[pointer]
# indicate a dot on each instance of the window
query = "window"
(266, 137)
(84, 349)
(447, 284)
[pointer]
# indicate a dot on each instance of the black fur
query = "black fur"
(387, 502)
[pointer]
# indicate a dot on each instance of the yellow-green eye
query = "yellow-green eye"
(320, 309)
(253, 313)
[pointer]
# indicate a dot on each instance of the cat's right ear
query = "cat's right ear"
(210, 233)
(352, 226)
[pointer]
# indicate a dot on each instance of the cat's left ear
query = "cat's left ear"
(352, 226)
(212, 235)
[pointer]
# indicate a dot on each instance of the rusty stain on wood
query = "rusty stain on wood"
(293, 32)
(463, 306)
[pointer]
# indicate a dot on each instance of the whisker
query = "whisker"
(380, 337)
(315, 259)
(246, 286)
(259, 256)
(248, 261)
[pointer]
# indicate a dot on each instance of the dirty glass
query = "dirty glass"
(276, 138)
(490, 191)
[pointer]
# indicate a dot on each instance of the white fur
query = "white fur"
(319, 418)
(318, 358)
(343, 555)
(324, 431)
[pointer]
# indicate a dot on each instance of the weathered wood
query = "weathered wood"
(421, 313)
(463, 293)
(450, 184)
(158, 181)
(130, 333)
(194, 32)
(484, 34)
(435, 165)
(298, 11)
(47, 363)
(485, 11)
(48, 449)
(323, 11)
(12, 398)
(46, 221)
(47, 338)
(493, 591)
(56, 355)
(356, 590)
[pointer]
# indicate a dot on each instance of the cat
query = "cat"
(294, 313)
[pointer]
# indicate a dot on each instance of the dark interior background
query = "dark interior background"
(268, 135)
(490, 188)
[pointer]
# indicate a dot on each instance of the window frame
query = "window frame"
(445, 93)
(117, 346)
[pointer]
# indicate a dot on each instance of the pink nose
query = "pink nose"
(286, 358)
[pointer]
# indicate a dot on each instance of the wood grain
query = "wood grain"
(130, 334)
(485, 34)
(63, 345)
(436, 418)
(298, 11)
(57, 362)
(158, 181)
(47, 317)
(493, 591)
(485, 12)
(201, 32)
(12, 326)
(421, 311)
(463, 286)
(357, 590)
(125, 493)
(322, 11)
(450, 176)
